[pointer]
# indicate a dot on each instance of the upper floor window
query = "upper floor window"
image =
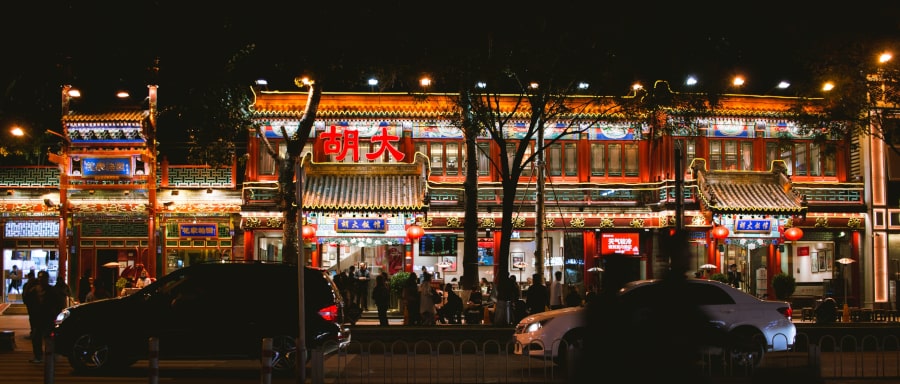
(614, 159)
(562, 159)
(802, 159)
(511, 152)
(730, 155)
(267, 166)
(688, 154)
(445, 158)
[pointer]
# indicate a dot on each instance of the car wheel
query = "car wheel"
(90, 353)
(571, 343)
(746, 349)
(284, 353)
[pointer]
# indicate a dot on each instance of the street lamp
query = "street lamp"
(845, 261)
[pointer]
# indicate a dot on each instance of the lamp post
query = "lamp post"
(845, 261)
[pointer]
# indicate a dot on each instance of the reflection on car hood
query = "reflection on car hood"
(568, 311)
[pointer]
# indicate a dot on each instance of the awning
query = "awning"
(365, 187)
(748, 192)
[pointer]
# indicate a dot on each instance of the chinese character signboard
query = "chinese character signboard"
(106, 166)
(742, 225)
(360, 225)
(197, 230)
(620, 243)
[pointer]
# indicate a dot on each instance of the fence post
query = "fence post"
(266, 360)
(153, 361)
(49, 367)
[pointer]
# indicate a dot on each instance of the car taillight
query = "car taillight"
(788, 312)
(329, 313)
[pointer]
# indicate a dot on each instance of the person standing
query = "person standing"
(48, 302)
(557, 293)
(362, 286)
(426, 301)
(734, 277)
(411, 299)
(381, 294)
(84, 286)
(30, 300)
(143, 280)
(15, 280)
(537, 296)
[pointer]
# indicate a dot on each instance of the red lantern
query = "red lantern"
(793, 233)
(720, 232)
(414, 232)
(308, 232)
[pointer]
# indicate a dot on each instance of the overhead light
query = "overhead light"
(127, 193)
(208, 190)
(9, 192)
(49, 203)
(73, 92)
(91, 192)
(123, 94)
(175, 193)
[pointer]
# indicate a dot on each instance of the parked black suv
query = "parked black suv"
(205, 311)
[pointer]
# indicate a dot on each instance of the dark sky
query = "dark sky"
(107, 43)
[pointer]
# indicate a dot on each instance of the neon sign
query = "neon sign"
(347, 140)
(619, 243)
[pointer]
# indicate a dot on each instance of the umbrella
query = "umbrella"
(595, 269)
(111, 264)
(709, 266)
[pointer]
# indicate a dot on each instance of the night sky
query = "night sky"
(110, 44)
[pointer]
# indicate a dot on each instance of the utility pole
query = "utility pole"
(539, 208)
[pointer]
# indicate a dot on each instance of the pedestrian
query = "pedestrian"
(734, 277)
(427, 301)
(557, 293)
(537, 296)
(573, 299)
(411, 300)
(84, 286)
(381, 294)
(30, 300)
(451, 311)
(362, 286)
(47, 301)
(98, 291)
(15, 280)
(143, 279)
(350, 286)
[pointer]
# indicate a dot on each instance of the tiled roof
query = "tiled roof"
(365, 187)
(748, 192)
(364, 192)
(135, 116)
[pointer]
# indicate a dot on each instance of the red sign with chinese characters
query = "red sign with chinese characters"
(620, 243)
(347, 140)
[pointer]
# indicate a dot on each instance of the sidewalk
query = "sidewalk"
(19, 325)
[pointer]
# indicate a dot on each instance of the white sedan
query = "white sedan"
(751, 326)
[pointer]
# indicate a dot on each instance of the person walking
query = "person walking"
(362, 286)
(381, 294)
(47, 301)
(411, 300)
(426, 301)
(557, 293)
(30, 301)
(15, 280)
(734, 277)
(84, 286)
(537, 295)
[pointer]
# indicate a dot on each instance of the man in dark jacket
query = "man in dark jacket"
(47, 301)
(537, 296)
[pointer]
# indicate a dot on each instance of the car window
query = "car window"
(708, 294)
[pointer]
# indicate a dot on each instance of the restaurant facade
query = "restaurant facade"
(378, 163)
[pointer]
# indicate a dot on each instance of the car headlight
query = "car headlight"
(533, 327)
(62, 316)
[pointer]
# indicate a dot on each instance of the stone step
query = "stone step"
(16, 309)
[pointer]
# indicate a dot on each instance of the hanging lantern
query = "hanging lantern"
(720, 232)
(308, 232)
(414, 232)
(793, 233)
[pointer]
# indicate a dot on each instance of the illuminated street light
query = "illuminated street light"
(738, 81)
(885, 57)
(827, 86)
(17, 131)
(783, 85)
(691, 80)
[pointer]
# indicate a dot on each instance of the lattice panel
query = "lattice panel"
(200, 177)
(29, 177)
(113, 228)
